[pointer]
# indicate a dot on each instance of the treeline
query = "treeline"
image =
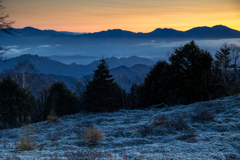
(190, 75)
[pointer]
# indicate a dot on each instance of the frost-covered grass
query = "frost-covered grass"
(206, 130)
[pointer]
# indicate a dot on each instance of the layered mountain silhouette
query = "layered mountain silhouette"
(218, 31)
(135, 66)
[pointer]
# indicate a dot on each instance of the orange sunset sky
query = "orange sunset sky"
(132, 15)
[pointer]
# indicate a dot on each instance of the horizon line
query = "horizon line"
(76, 32)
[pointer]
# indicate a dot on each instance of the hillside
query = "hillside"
(129, 134)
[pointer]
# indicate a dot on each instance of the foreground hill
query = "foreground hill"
(200, 131)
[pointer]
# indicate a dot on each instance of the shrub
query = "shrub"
(26, 140)
(159, 120)
(52, 118)
(92, 136)
(203, 115)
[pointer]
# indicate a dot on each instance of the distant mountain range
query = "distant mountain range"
(217, 31)
(131, 67)
(116, 42)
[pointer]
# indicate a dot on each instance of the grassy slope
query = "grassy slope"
(130, 135)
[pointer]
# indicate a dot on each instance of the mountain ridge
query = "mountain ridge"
(49, 66)
(217, 31)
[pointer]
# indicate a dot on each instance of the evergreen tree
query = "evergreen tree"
(190, 64)
(15, 103)
(157, 84)
(223, 57)
(102, 93)
(60, 99)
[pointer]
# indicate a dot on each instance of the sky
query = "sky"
(132, 15)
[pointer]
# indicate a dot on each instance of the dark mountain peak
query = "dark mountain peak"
(30, 28)
(220, 26)
(165, 33)
(163, 30)
(118, 32)
(209, 28)
(112, 58)
(114, 30)
(218, 31)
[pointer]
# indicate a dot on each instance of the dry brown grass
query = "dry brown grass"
(160, 120)
(52, 118)
(26, 140)
(92, 136)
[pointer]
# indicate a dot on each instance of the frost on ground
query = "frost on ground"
(206, 130)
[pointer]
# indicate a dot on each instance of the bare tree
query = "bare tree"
(235, 55)
(80, 86)
(25, 73)
(5, 26)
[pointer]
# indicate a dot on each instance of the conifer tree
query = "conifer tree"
(60, 99)
(223, 57)
(102, 93)
(157, 84)
(15, 103)
(189, 65)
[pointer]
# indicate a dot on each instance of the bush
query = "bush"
(52, 118)
(159, 120)
(92, 136)
(26, 140)
(203, 115)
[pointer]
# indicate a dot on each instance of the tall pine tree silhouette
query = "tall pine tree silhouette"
(102, 93)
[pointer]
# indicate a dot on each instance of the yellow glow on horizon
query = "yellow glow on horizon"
(132, 15)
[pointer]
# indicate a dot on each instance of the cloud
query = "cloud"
(201, 43)
(9, 47)
(57, 45)
(16, 51)
(44, 46)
